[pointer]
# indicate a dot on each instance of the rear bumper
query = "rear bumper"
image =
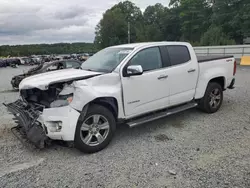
(231, 86)
(26, 117)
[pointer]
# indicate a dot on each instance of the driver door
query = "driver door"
(149, 91)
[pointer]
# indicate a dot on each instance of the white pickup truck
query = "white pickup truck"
(129, 84)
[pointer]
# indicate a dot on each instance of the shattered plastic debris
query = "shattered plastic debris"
(172, 172)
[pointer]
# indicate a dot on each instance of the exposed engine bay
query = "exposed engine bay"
(47, 97)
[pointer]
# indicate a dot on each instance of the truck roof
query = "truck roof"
(144, 44)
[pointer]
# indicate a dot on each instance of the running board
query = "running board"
(161, 114)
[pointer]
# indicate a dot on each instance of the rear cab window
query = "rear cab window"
(178, 54)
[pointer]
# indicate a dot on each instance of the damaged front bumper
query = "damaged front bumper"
(39, 124)
(60, 123)
(26, 117)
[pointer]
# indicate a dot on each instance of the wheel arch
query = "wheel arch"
(108, 102)
(203, 84)
(220, 80)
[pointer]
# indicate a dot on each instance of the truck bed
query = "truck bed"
(202, 59)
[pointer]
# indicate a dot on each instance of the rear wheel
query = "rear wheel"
(96, 130)
(212, 100)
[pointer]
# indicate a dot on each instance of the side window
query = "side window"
(149, 59)
(178, 54)
(72, 64)
(60, 66)
(52, 67)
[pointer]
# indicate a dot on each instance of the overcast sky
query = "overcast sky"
(51, 21)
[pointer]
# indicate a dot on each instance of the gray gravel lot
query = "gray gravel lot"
(202, 150)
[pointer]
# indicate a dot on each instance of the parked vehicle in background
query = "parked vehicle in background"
(83, 57)
(3, 63)
(12, 62)
(45, 67)
(27, 61)
(132, 84)
(66, 57)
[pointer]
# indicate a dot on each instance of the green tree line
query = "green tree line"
(200, 22)
(43, 49)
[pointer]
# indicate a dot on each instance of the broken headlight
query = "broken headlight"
(62, 100)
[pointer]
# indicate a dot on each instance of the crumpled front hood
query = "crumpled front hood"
(42, 81)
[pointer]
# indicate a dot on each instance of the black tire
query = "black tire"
(95, 110)
(204, 103)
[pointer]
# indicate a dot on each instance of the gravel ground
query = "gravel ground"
(190, 149)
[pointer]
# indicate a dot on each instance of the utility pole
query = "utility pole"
(128, 32)
(129, 28)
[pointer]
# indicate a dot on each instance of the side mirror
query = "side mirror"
(134, 70)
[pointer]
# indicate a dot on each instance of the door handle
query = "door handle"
(191, 70)
(162, 77)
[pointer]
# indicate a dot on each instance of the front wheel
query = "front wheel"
(96, 130)
(212, 100)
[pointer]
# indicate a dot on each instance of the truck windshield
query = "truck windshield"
(106, 60)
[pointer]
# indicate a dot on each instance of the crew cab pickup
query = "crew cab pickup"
(130, 84)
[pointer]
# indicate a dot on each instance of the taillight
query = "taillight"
(235, 65)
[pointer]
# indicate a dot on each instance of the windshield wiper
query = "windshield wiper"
(91, 70)
(96, 70)
(86, 69)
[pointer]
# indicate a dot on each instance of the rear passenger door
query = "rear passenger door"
(183, 75)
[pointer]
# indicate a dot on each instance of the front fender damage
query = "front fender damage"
(103, 86)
